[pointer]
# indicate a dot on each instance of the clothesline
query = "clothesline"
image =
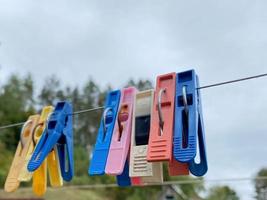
(199, 88)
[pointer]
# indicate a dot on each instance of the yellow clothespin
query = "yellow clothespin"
(55, 177)
(24, 148)
(40, 175)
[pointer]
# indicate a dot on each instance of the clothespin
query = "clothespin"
(120, 143)
(189, 127)
(39, 184)
(161, 132)
(54, 171)
(24, 148)
(160, 147)
(178, 168)
(58, 133)
(139, 167)
(124, 180)
(101, 150)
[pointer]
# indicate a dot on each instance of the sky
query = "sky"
(112, 41)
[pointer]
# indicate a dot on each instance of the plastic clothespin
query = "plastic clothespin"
(120, 143)
(39, 184)
(161, 132)
(124, 180)
(189, 127)
(177, 168)
(139, 167)
(58, 133)
(101, 150)
(24, 148)
(54, 171)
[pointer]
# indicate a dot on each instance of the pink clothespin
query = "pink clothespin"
(120, 143)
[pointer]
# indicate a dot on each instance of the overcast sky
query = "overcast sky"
(112, 41)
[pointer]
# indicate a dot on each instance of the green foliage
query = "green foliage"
(141, 84)
(222, 193)
(261, 185)
(16, 104)
(5, 160)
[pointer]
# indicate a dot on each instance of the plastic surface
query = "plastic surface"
(139, 167)
(39, 183)
(59, 133)
(101, 150)
(54, 172)
(177, 168)
(189, 123)
(185, 128)
(17, 168)
(201, 168)
(123, 180)
(160, 143)
(120, 143)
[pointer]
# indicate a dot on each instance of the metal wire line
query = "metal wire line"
(199, 88)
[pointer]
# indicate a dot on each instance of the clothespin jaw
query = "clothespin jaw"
(54, 171)
(177, 168)
(185, 117)
(101, 150)
(120, 143)
(201, 168)
(65, 144)
(39, 184)
(161, 132)
(24, 148)
(58, 132)
(123, 180)
(139, 167)
(189, 123)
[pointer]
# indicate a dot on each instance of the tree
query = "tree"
(140, 84)
(51, 92)
(222, 193)
(16, 104)
(261, 185)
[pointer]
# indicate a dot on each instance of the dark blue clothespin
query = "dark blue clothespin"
(57, 133)
(124, 180)
(101, 150)
(189, 127)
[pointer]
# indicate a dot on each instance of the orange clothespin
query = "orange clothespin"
(160, 146)
(161, 132)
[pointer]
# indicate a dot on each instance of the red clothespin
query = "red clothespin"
(161, 132)
(160, 146)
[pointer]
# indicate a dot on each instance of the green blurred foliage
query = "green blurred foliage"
(261, 185)
(16, 104)
(222, 193)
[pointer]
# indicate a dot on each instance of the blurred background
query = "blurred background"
(78, 50)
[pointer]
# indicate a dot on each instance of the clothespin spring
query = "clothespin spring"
(185, 117)
(104, 121)
(22, 133)
(161, 120)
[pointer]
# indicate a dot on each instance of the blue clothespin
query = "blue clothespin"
(124, 180)
(189, 127)
(101, 150)
(58, 132)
